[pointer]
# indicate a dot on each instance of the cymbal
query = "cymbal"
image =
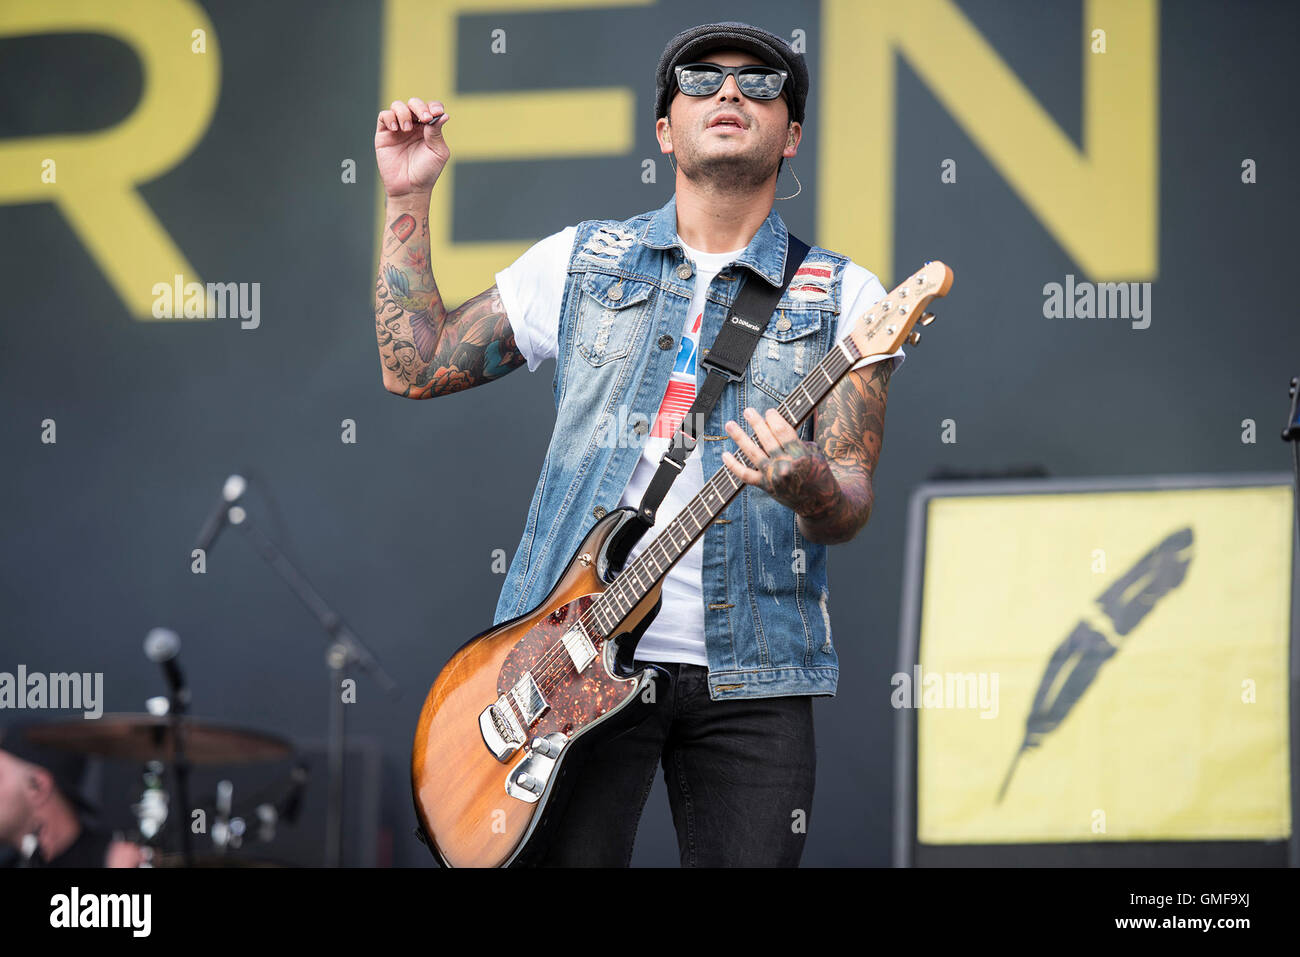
(147, 737)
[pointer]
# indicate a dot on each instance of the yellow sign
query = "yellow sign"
(1138, 644)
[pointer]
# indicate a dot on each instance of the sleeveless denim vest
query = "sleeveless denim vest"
(629, 284)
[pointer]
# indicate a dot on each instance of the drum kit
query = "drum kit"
(157, 742)
(167, 740)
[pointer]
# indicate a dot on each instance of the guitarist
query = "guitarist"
(623, 307)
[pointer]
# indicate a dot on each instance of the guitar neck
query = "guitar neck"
(653, 564)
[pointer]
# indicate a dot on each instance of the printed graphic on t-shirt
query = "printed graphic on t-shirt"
(680, 393)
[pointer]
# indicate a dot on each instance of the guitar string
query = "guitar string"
(791, 415)
(555, 663)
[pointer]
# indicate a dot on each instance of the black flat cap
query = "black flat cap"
(689, 45)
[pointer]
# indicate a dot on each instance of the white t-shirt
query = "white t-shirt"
(532, 288)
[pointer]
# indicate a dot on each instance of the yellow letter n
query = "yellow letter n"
(1099, 203)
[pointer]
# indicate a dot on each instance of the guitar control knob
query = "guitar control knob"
(913, 338)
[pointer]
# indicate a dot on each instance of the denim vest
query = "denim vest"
(767, 628)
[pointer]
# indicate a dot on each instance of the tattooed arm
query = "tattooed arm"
(849, 427)
(426, 349)
(827, 482)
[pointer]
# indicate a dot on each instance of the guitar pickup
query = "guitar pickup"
(503, 731)
(529, 698)
(578, 645)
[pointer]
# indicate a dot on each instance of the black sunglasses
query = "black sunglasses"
(705, 79)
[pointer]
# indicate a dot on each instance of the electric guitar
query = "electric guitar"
(506, 723)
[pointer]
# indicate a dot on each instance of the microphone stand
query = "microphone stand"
(181, 773)
(344, 649)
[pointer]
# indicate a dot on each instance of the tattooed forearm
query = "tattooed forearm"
(849, 427)
(424, 348)
(827, 481)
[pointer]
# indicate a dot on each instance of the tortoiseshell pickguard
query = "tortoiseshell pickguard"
(574, 700)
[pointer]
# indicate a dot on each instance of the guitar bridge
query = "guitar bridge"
(500, 728)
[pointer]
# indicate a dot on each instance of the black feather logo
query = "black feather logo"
(1075, 662)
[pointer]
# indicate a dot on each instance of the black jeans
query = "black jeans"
(739, 773)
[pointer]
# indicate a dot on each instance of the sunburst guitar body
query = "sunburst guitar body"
(505, 725)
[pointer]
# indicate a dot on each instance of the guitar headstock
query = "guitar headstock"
(888, 324)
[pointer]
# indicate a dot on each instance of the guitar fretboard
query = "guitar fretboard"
(655, 561)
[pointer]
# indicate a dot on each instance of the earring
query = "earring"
(796, 179)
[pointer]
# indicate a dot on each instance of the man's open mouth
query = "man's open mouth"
(727, 122)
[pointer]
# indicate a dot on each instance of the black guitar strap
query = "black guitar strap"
(726, 361)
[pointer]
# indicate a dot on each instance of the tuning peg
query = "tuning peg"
(927, 319)
(914, 338)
